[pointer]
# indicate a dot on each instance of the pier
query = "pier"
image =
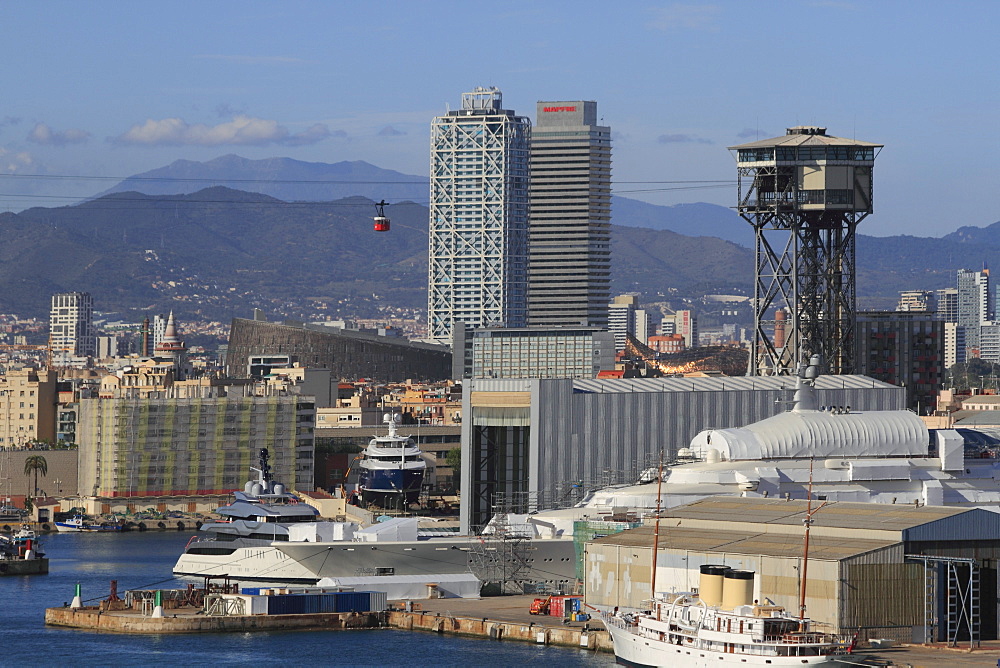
(501, 618)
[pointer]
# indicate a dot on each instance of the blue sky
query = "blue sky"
(112, 89)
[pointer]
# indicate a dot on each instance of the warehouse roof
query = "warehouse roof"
(832, 548)
(718, 383)
(841, 519)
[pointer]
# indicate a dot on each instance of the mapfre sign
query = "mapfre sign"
(549, 109)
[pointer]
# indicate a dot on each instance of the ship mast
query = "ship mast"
(807, 521)
(656, 537)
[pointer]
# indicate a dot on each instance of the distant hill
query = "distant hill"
(698, 219)
(281, 178)
(219, 251)
(979, 236)
(297, 181)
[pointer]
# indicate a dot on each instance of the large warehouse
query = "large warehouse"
(861, 574)
(523, 439)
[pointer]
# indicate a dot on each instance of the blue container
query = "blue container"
(328, 602)
(574, 604)
(286, 604)
(353, 601)
(252, 591)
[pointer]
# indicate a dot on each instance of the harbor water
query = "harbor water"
(144, 560)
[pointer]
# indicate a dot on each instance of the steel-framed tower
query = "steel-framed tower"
(478, 248)
(804, 193)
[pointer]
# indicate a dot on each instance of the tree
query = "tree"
(454, 459)
(35, 464)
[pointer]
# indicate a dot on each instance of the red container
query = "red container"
(557, 606)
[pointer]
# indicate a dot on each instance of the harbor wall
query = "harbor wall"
(94, 619)
(596, 640)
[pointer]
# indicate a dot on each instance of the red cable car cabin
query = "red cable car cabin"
(381, 224)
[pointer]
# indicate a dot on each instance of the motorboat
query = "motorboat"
(83, 523)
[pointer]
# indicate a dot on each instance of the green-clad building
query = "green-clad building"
(135, 448)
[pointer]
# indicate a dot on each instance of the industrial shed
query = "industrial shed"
(542, 440)
(861, 575)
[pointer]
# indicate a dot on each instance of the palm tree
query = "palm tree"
(35, 464)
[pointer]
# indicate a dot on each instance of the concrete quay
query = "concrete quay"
(496, 618)
(191, 620)
(500, 618)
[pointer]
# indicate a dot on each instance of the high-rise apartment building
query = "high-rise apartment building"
(687, 326)
(570, 231)
(973, 308)
(27, 407)
(155, 447)
(478, 246)
(621, 318)
(917, 300)
(625, 318)
(947, 304)
(954, 340)
(905, 349)
(71, 328)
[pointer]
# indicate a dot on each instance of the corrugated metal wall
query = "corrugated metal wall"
(579, 435)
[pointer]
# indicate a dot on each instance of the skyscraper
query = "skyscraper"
(71, 329)
(478, 247)
(973, 308)
(570, 231)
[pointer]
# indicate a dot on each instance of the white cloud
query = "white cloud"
(12, 162)
(43, 134)
(241, 131)
(685, 17)
(389, 131)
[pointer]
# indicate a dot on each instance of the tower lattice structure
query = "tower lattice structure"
(804, 193)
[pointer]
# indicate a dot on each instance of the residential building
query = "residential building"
(954, 340)
(155, 447)
(625, 319)
(905, 349)
(478, 245)
(989, 341)
(71, 325)
(27, 407)
(973, 308)
(559, 352)
(667, 344)
(917, 300)
(570, 225)
(947, 304)
(686, 324)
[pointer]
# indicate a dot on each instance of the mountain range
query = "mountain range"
(215, 251)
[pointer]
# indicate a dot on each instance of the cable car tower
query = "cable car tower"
(381, 222)
(804, 193)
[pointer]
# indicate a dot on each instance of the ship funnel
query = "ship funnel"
(737, 589)
(710, 585)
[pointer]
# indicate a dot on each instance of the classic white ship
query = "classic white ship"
(718, 626)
